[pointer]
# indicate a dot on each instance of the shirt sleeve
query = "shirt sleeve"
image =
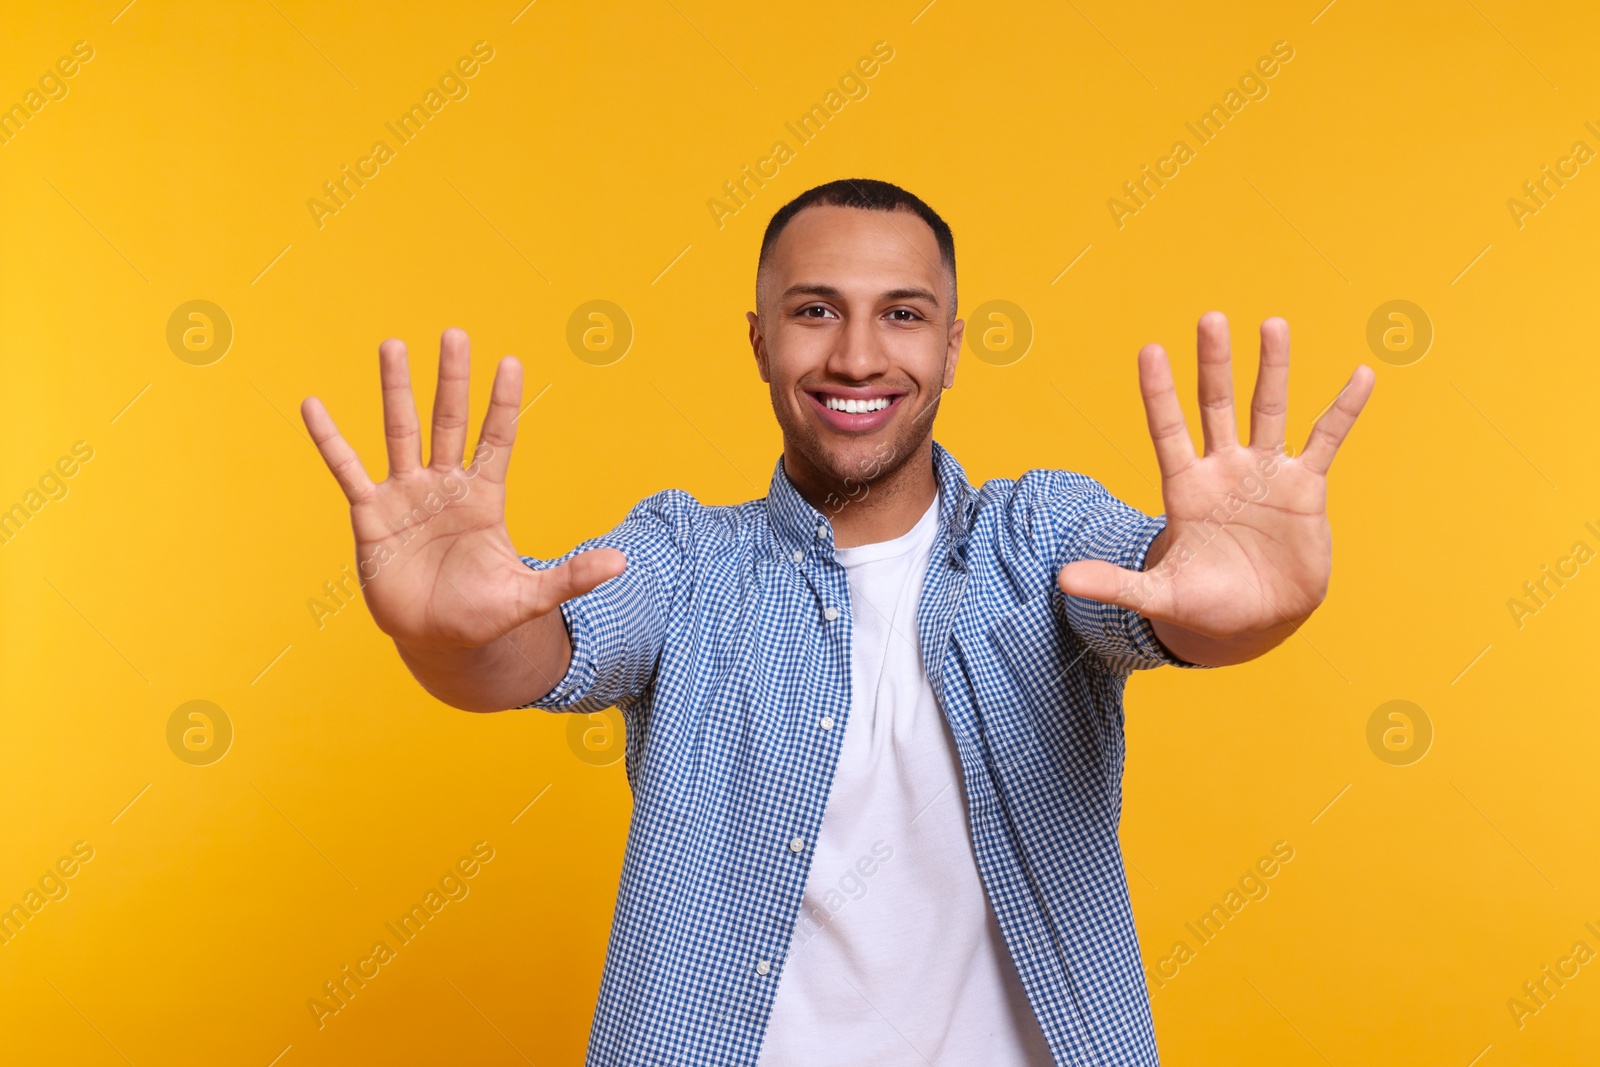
(1087, 522)
(618, 628)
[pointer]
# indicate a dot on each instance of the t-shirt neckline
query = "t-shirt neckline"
(914, 538)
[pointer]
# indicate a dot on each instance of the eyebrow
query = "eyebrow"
(829, 292)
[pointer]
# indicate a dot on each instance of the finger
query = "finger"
(577, 576)
(336, 451)
(451, 399)
(1329, 432)
(492, 457)
(1168, 430)
(1269, 405)
(1095, 579)
(1216, 382)
(400, 427)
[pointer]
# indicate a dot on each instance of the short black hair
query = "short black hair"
(868, 194)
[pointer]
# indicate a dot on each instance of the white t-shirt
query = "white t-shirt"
(896, 957)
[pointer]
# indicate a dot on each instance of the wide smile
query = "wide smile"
(854, 413)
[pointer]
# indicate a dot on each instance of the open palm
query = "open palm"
(1247, 549)
(436, 562)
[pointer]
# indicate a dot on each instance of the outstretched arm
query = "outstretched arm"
(478, 628)
(1247, 550)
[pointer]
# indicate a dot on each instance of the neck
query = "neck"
(864, 512)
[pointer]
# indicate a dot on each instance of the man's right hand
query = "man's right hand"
(436, 562)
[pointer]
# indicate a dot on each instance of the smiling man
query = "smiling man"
(874, 719)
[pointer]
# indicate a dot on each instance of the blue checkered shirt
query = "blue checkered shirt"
(726, 643)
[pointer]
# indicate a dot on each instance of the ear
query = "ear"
(758, 345)
(958, 330)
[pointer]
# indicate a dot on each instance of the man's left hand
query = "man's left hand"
(1247, 551)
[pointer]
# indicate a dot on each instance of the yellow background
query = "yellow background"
(180, 564)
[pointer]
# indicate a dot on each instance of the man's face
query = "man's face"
(856, 336)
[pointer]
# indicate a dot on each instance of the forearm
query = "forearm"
(1192, 647)
(521, 666)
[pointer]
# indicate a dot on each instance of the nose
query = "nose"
(859, 352)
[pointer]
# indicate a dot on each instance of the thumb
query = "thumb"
(1095, 579)
(575, 577)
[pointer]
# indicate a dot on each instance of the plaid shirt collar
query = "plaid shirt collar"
(797, 526)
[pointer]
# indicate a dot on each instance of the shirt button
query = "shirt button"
(799, 555)
(826, 722)
(822, 531)
(763, 967)
(797, 844)
(830, 613)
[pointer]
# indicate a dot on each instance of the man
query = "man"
(874, 720)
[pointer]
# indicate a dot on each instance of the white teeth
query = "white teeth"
(857, 407)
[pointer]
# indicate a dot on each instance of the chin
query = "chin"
(856, 460)
(852, 460)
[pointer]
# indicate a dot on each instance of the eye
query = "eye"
(910, 313)
(820, 310)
